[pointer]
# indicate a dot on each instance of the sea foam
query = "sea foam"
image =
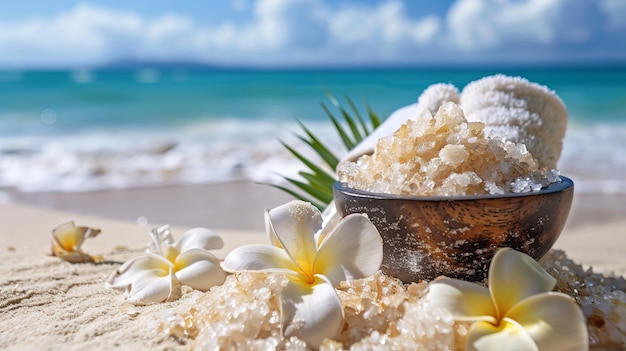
(593, 156)
(101, 160)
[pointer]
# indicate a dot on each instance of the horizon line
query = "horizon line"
(130, 64)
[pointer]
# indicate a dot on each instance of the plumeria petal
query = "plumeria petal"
(145, 279)
(75, 256)
(201, 269)
(161, 240)
(67, 240)
(124, 276)
(68, 236)
(466, 301)
(514, 276)
(553, 320)
(150, 286)
(295, 224)
(200, 238)
(57, 245)
(352, 250)
(260, 258)
(312, 312)
(484, 336)
(330, 219)
(269, 229)
(329, 224)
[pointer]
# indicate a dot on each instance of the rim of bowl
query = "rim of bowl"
(564, 184)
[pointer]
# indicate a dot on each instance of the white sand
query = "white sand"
(47, 304)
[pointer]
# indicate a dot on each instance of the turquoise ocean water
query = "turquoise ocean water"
(105, 129)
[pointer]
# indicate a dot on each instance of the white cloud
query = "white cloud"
(284, 32)
(386, 23)
(379, 34)
(615, 11)
(556, 27)
(84, 34)
(281, 31)
(479, 24)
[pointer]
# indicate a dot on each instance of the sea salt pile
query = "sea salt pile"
(445, 155)
(380, 313)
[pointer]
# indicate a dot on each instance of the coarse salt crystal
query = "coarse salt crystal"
(445, 155)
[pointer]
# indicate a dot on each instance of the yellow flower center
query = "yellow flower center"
(170, 253)
(307, 268)
(68, 241)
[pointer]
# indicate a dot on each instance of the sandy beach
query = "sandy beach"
(47, 304)
(126, 117)
(68, 303)
(235, 205)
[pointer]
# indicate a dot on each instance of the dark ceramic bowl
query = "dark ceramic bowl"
(425, 237)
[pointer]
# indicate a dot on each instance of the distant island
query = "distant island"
(132, 64)
(156, 64)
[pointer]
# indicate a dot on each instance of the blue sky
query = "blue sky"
(279, 33)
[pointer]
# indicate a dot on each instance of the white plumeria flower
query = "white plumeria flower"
(157, 275)
(67, 240)
(517, 312)
(315, 260)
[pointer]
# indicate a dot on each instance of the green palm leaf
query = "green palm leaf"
(331, 160)
(343, 134)
(317, 184)
(322, 175)
(357, 113)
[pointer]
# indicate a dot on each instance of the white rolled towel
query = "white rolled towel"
(511, 107)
